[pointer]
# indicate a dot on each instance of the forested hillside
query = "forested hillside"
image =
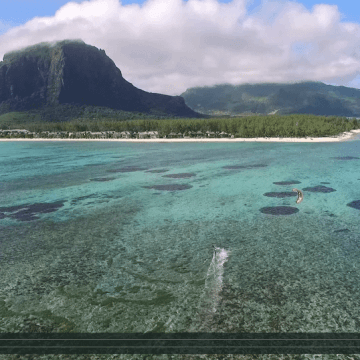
(302, 98)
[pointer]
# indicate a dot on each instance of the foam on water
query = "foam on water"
(210, 298)
(214, 278)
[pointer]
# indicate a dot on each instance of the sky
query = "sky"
(168, 46)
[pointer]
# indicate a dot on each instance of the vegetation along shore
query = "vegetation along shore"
(29, 126)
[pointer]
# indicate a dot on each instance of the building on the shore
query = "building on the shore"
(148, 135)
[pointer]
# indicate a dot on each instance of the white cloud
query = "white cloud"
(167, 46)
(98, 10)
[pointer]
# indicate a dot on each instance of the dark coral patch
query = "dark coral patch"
(2, 215)
(45, 208)
(102, 179)
(132, 168)
(25, 215)
(256, 166)
(354, 204)
(234, 167)
(279, 210)
(180, 175)
(319, 188)
(345, 158)
(81, 198)
(280, 194)
(324, 182)
(341, 231)
(329, 213)
(169, 187)
(13, 208)
(114, 170)
(97, 164)
(158, 171)
(127, 169)
(290, 182)
(28, 212)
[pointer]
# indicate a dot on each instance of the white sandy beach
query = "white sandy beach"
(343, 137)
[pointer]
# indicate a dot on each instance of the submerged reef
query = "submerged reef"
(29, 212)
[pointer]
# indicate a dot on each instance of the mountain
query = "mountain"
(309, 97)
(72, 72)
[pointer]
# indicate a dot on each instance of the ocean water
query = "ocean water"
(179, 237)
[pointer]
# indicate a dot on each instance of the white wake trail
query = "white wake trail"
(214, 278)
(211, 295)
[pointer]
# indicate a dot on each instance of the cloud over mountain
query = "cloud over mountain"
(167, 46)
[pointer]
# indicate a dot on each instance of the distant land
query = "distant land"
(308, 97)
(71, 81)
(72, 73)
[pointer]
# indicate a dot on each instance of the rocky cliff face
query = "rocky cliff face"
(72, 72)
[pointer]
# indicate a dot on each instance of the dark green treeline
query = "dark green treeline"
(297, 125)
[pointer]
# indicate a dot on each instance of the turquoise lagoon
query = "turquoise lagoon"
(95, 237)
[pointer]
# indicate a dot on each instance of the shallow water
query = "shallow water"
(91, 239)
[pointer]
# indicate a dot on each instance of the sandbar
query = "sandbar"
(342, 137)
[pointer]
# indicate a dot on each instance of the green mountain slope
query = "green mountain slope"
(308, 97)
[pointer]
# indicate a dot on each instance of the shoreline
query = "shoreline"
(342, 137)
